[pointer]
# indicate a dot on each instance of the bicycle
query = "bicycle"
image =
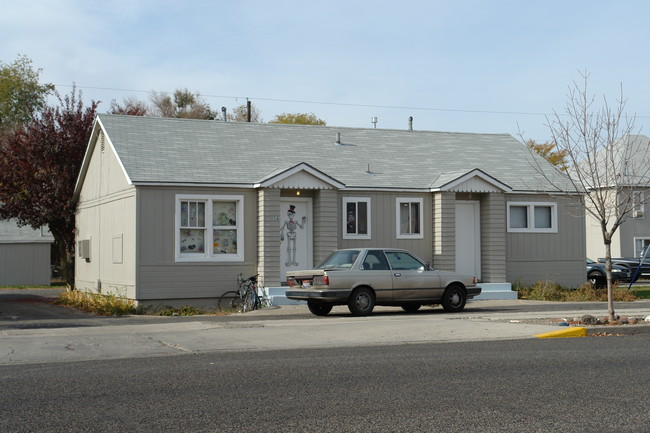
(245, 298)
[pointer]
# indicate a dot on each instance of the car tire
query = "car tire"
(318, 308)
(361, 302)
(597, 279)
(454, 299)
(411, 308)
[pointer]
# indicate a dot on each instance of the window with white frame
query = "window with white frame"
(529, 217)
(356, 218)
(639, 245)
(209, 227)
(409, 218)
(638, 201)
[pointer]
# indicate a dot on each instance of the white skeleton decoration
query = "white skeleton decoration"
(291, 227)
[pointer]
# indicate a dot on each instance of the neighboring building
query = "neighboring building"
(171, 210)
(630, 164)
(24, 255)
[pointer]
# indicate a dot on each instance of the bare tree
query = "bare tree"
(184, 104)
(604, 159)
(240, 114)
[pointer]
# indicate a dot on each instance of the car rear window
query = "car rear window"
(343, 259)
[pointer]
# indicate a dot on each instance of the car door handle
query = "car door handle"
(397, 274)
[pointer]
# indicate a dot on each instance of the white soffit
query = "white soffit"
(476, 181)
(301, 176)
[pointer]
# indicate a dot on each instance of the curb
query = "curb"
(564, 333)
(622, 329)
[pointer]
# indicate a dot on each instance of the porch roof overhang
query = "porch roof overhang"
(299, 176)
(475, 180)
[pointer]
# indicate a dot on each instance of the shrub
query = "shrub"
(549, 291)
(104, 305)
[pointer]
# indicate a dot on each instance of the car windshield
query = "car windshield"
(343, 259)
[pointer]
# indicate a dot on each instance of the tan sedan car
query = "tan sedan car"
(364, 277)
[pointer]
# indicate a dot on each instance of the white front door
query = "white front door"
(296, 228)
(468, 238)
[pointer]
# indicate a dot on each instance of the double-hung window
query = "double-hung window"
(356, 220)
(409, 218)
(638, 201)
(527, 217)
(209, 228)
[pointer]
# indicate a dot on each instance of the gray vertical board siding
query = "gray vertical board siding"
(632, 228)
(557, 257)
(326, 223)
(159, 275)
(268, 250)
(493, 238)
(106, 211)
(25, 264)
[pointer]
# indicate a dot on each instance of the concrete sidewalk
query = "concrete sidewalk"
(291, 327)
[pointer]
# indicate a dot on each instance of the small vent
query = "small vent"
(101, 143)
(83, 249)
(637, 214)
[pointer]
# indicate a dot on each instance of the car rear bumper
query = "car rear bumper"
(318, 295)
(473, 291)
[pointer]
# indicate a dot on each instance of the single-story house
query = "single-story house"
(24, 255)
(170, 211)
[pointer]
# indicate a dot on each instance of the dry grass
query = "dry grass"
(104, 305)
(549, 291)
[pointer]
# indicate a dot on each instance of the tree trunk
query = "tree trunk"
(610, 288)
(67, 266)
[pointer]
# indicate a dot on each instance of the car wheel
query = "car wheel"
(411, 308)
(318, 308)
(454, 299)
(361, 302)
(597, 280)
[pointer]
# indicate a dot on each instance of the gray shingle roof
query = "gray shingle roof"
(10, 233)
(178, 151)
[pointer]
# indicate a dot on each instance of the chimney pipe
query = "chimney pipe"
(338, 138)
(410, 123)
(223, 113)
(248, 110)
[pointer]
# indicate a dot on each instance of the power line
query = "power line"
(343, 104)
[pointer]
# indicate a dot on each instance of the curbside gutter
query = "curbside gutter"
(595, 331)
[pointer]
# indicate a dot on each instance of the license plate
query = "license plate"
(306, 284)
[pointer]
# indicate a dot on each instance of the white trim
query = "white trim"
(476, 173)
(296, 169)
(344, 221)
(639, 238)
(398, 202)
(531, 217)
(208, 254)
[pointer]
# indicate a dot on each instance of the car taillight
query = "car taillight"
(322, 280)
(474, 281)
(291, 282)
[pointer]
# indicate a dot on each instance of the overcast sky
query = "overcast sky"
(461, 65)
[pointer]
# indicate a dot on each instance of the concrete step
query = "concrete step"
(500, 291)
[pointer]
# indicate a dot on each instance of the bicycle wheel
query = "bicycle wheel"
(250, 301)
(230, 301)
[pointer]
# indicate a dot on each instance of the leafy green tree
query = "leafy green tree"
(298, 119)
(182, 103)
(21, 94)
(39, 165)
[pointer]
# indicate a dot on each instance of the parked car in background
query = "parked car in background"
(596, 273)
(364, 277)
(633, 264)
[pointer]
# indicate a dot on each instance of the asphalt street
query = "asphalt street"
(33, 330)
